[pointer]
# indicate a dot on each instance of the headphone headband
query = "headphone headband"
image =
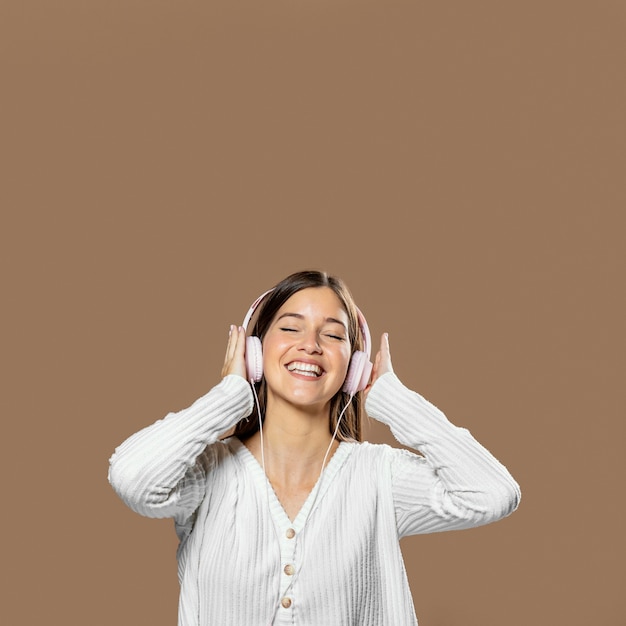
(253, 308)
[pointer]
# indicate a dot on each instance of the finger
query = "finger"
(230, 346)
(240, 344)
(384, 345)
(238, 364)
(385, 354)
(230, 350)
(388, 352)
(235, 362)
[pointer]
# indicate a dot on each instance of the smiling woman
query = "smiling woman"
(284, 515)
(311, 306)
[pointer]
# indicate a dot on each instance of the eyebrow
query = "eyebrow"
(299, 316)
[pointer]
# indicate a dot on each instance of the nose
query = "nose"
(309, 343)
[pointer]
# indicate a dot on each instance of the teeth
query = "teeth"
(308, 369)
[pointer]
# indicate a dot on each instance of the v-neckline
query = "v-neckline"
(314, 496)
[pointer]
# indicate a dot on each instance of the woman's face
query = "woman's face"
(306, 350)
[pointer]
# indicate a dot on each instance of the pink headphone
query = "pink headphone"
(360, 365)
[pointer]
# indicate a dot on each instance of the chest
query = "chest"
(292, 497)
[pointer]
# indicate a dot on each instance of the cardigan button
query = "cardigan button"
(291, 533)
(290, 570)
(285, 603)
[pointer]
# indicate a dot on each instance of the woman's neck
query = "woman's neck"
(294, 444)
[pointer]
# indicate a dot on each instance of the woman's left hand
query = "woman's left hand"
(382, 362)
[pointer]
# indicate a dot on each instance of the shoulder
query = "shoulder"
(369, 474)
(369, 454)
(377, 457)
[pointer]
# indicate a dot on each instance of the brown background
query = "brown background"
(460, 164)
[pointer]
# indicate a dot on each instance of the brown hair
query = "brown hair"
(350, 426)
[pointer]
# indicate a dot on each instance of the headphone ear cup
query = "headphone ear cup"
(254, 359)
(358, 373)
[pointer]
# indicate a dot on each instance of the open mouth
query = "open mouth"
(305, 369)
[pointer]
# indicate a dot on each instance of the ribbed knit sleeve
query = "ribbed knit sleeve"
(455, 482)
(160, 471)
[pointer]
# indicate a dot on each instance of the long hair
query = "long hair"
(350, 426)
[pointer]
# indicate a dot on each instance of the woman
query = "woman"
(291, 519)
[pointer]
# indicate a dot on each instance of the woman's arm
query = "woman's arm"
(160, 471)
(454, 482)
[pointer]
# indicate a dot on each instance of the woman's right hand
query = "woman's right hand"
(234, 361)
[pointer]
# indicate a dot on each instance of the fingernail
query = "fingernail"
(230, 329)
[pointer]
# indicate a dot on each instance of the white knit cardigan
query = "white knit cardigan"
(242, 562)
